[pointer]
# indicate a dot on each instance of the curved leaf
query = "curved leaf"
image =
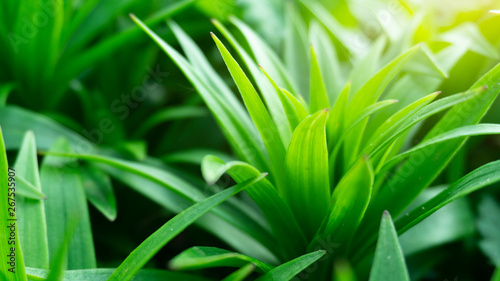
(267, 128)
(30, 212)
(465, 131)
(350, 199)
(102, 274)
(207, 257)
(477, 179)
(149, 247)
(307, 176)
(289, 269)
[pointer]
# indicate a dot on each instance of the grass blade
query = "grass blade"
(238, 132)
(350, 199)
(271, 100)
(207, 257)
(367, 95)
(30, 212)
(307, 173)
(477, 179)
(144, 252)
(65, 205)
(288, 270)
(389, 263)
(317, 94)
(102, 274)
(219, 226)
(258, 112)
(466, 131)
(99, 191)
(468, 112)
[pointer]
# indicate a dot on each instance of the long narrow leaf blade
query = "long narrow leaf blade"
(483, 176)
(144, 252)
(258, 112)
(206, 257)
(289, 269)
(31, 212)
(307, 173)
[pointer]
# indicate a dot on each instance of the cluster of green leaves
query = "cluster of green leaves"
(336, 157)
(323, 138)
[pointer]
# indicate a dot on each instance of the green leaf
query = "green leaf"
(98, 190)
(271, 100)
(267, 128)
(235, 123)
(207, 257)
(239, 239)
(149, 247)
(241, 273)
(397, 118)
(30, 212)
(193, 156)
(65, 205)
(424, 171)
(102, 274)
(327, 59)
(183, 189)
(289, 269)
(168, 114)
(451, 223)
(104, 48)
(477, 179)
(389, 263)
(5, 232)
(350, 199)
(307, 176)
(265, 56)
(274, 208)
(465, 131)
(60, 260)
(291, 112)
(318, 96)
(488, 226)
(335, 123)
(381, 143)
(367, 95)
(300, 107)
(367, 112)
